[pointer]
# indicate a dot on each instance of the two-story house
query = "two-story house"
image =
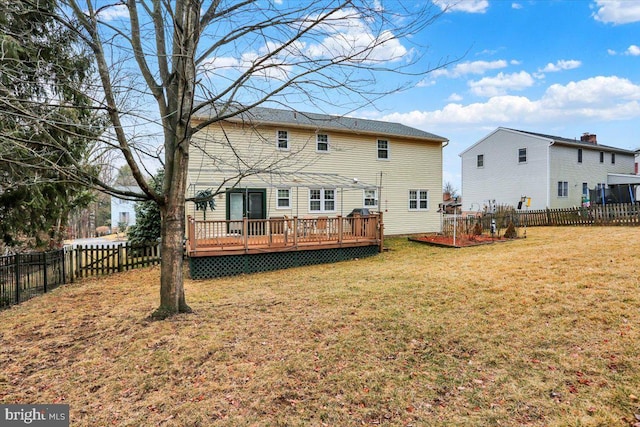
(268, 163)
(552, 171)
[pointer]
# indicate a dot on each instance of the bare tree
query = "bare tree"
(160, 64)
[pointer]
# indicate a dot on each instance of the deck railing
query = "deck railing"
(280, 233)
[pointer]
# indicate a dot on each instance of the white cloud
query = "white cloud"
(633, 50)
(454, 97)
(617, 11)
(474, 67)
(501, 84)
(516, 6)
(598, 98)
(561, 65)
(468, 6)
(115, 11)
(612, 52)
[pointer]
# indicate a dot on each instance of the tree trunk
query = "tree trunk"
(172, 299)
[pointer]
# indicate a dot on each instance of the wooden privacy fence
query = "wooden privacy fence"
(613, 214)
(23, 276)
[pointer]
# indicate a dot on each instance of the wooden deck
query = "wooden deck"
(218, 238)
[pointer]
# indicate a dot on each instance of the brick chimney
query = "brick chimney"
(589, 137)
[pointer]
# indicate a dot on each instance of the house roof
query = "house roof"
(576, 142)
(274, 116)
(558, 140)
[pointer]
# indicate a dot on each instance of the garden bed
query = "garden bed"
(461, 241)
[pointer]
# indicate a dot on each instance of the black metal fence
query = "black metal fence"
(23, 276)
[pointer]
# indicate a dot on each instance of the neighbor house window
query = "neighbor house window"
(563, 189)
(522, 155)
(480, 161)
(418, 200)
(123, 217)
(283, 140)
(613, 158)
(585, 189)
(322, 200)
(579, 155)
(322, 142)
(284, 198)
(383, 149)
(371, 198)
(602, 157)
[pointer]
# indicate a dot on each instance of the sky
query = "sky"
(557, 67)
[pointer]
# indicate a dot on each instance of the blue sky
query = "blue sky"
(557, 67)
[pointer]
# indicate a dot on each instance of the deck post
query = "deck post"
(295, 231)
(191, 235)
(245, 232)
(381, 232)
(340, 229)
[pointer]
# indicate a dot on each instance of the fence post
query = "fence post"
(119, 257)
(44, 258)
(17, 273)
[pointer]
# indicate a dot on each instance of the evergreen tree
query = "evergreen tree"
(148, 219)
(46, 123)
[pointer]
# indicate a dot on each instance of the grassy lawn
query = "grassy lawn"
(543, 331)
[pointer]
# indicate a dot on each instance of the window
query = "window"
(371, 198)
(123, 218)
(585, 189)
(418, 200)
(613, 158)
(602, 157)
(563, 189)
(322, 142)
(383, 149)
(579, 155)
(283, 140)
(522, 155)
(322, 200)
(284, 198)
(480, 161)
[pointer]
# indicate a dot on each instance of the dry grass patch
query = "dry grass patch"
(540, 331)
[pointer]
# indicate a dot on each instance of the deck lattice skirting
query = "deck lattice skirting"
(226, 248)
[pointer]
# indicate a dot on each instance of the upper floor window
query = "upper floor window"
(383, 149)
(282, 141)
(602, 157)
(522, 155)
(579, 155)
(284, 198)
(418, 200)
(371, 198)
(563, 189)
(480, 161)
(613, 158)
(322, 142)
(322, 200)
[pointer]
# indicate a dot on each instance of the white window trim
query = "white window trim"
(364, 198)
(322, 199)
(288, 148)
(288, 207)
(418, 191)
(565, 185)
(478, 158)
(388, 149)
(327, 142)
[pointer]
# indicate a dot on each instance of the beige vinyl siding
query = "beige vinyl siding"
(412, 164)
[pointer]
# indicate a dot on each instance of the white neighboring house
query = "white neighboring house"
(554, 172)
(122, 211)
(326, 165)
